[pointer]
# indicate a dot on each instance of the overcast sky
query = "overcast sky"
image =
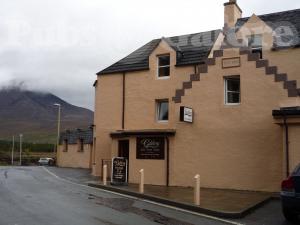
(57, 46)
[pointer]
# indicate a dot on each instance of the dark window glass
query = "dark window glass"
(163, 110)
(232, 90)
(65, 145)
(164, 60)
(164, 71)
(80, 147)
(164, 66)
(233, 97)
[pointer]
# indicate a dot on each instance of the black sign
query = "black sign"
(119, 171)
(150, 148)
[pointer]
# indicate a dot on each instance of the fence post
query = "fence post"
(141, 187)
(105, 175)
(197, 190)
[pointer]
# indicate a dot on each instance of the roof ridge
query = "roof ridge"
(273, 13)
(194, 33)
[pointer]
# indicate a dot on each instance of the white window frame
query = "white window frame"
(157, 105)
(226, 91)
(158, 67)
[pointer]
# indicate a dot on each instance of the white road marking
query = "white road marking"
(144, 200)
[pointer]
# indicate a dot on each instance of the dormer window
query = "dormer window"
(163, 66)
(255, 42)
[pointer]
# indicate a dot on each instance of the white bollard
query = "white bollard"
(197, 190)
(141, 187)
(105, 175)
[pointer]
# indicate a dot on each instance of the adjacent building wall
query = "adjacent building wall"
(74, 158)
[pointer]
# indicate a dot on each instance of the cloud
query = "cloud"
(59, 45)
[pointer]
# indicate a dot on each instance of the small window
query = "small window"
(232, 90)
(162, 110)
(255, 42)
(80, 145)
(163, 66)
(65, 145)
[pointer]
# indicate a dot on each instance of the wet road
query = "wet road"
(32, 196)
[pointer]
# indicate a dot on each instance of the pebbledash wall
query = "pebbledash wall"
(75, 149)
(231, 146)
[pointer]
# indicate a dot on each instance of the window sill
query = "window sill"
(163, 78)
(162, 121)
(232, 104)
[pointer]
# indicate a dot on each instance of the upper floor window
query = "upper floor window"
(80, 145)
(255, 42)
(232, 90)
(162, 107)
(163, 66)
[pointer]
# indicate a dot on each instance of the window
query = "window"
(163, 66)
(80, 145)
(65, 145)
(255, 42)
(162, 110)
(232, 90)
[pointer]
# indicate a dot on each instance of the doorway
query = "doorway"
(123, 151)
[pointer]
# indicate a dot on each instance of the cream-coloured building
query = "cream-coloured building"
(223, 104)
(75, 149)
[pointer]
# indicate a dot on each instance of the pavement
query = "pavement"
(215, 202)
(44, 196)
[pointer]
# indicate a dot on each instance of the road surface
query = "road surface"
(33, 196)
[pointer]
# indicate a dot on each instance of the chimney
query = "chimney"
(232, 12)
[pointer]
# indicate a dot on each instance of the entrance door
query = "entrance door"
(124, 152)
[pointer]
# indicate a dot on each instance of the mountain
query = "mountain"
(34, 115)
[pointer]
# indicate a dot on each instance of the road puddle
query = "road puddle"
(126, 206)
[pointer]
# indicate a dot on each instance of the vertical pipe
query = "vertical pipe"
(12, 151)
(58, 127)
(168, 163)
(21, 135)
(287, 154)
(123, 103)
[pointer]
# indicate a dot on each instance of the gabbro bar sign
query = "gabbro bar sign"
(119, 171)
(150, 148)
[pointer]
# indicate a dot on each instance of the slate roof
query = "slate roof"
(74, 135)
(289, 19)
(190, 49)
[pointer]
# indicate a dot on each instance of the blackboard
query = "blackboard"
(119, 171)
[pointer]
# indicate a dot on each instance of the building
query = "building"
(75, 149)
(223, 104)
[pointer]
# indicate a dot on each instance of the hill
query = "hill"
(34, 115)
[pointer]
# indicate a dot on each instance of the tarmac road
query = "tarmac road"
(32, 196)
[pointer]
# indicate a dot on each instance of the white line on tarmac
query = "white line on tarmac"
(144, 200)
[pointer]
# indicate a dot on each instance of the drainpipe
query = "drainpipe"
(123, 103)
(168, 162)
(195, 69)
(287, 155)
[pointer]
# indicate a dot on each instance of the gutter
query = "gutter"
(287, 145)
